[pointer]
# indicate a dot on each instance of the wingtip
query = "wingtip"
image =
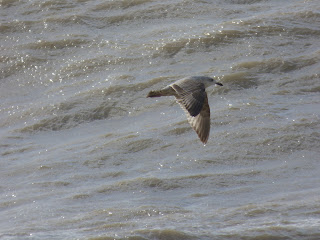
(204, 141)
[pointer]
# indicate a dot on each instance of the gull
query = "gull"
(190, 93)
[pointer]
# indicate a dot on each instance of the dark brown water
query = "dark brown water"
(84, 155)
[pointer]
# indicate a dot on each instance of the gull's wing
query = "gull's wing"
(190, 95)
(201, 122)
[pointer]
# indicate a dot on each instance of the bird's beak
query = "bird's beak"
(220, 84)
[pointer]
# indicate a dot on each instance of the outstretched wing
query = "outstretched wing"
(201, 122)
(190, 96)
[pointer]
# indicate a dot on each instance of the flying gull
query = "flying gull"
(190, 93)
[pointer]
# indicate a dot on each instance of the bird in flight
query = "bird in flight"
(190, 93)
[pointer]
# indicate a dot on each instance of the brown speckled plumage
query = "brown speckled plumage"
(191, 95)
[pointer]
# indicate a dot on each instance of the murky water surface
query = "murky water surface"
(84, 155)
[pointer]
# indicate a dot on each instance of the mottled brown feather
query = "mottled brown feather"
(192, 99)
(191, 95)
(201, 122)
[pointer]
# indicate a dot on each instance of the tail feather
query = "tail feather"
(167, 91)
(154, 94)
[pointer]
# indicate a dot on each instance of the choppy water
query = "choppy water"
(84, 155)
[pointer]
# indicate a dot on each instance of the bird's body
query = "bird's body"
(191, 95)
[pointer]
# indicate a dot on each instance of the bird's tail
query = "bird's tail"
(154, 94)
(167, 91)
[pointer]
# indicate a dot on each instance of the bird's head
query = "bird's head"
(208, 81)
